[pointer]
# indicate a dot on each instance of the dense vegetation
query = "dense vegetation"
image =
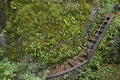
(46, 29)
(42, 33)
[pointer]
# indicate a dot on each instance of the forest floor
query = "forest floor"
(112, 73)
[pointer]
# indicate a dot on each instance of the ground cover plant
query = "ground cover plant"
(46, 30)
(40, 34)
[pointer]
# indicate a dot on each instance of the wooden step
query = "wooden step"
(82, 59)
(105, 22)
(83, 53)
(84, 47)
(75, 57)
(96, 36)
(101, 25)
(90, 46)
(63, 67)
(109, 15)
(51, 72)
(66, 65)
(57, 69)
(79, 59)
(92, 39)
(73, 62)
(99, 32)
(107, 18)
(89, 50)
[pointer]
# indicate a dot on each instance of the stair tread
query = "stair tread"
(57, 69)
(82, 59)
(67, 66)
(90, 43)
(62, 67)
(92, 39)
(77, 58)
(51, 72)
(101, 25)
(109, 15)
(105, 20)
(88, 51)
(72, 62)
(84, 47)
(83, 52)
(96, 35)
(99, 30)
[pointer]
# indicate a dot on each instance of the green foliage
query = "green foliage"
(30, 70)
(7, 69)
(47, 30)
(96, 68)
(24, 70)
(106, 45)
(107, 72)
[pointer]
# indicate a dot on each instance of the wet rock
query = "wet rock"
(0, 0)
(2, 19)
(2, 39)
(117, 7)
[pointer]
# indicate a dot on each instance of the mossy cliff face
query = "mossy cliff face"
(46, 30)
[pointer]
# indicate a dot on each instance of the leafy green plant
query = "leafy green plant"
(7, 69)
(49, 32)
(29, 70)
(46, 29)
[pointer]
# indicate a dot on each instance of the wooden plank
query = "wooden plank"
(72, 62)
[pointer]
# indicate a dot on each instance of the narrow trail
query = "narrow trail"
(70, 65)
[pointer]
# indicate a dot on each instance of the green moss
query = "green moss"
(46, 30)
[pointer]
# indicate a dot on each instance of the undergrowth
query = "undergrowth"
(42, 33)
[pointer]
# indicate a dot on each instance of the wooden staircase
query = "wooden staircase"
(70, 65)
